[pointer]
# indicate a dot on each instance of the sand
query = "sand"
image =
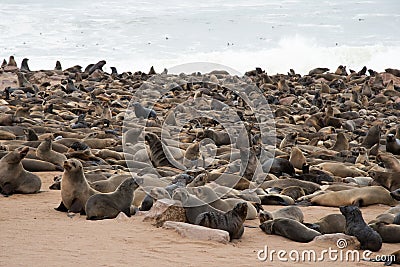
(34, 234)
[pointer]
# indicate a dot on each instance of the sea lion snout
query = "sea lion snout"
(23, 152)
(66, 165)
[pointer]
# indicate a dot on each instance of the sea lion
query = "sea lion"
(391, 163)
(341, 143)
(35, 165)
(389, 180)
(297, 158)
(45, 152)
(231, 221)
(289, 140)
(360, 197)
(290, 229)
(291, 212)
(294, 192)
(356, 226)
(392, 144)
(388, 233)
(208, 195)
(309, 187)
(330, 224)
(75, 190)
(396, 194)
(373, 136)
(341, 170)
(109, 185)
(14, 178)
(278, 166)
(192, 205)
(109, 205)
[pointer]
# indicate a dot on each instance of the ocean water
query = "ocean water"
(134, 35)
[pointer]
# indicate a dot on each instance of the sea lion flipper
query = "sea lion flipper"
(61, 208)
(76, 206)
(7, 189)
(127, 211)
(357, 202)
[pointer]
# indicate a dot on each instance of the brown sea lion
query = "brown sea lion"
(45, 152)
(231, 221)
(290, 229)
(389, 233)
(356, 226)
(309, 187)
(330, 224)
(75, 190)
(391, 163)
(294, 192)
(109, 185)
(109, 205)
(373, 136)
(341, 143)
(361, 197)
(389, 180)
(291, 212)
(35, 165)
(14, 178)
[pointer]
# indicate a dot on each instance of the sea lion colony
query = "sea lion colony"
(336, 143)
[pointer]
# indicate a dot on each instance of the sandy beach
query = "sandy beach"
(34, 234)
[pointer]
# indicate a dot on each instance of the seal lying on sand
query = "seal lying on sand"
(109, 205)
(356, 226)
(290, 229)
(231, 221)
(14, 178)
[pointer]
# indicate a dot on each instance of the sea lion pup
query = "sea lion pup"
(14, 178)
(390, 163)
(46, 153)
(341, 143)
(297, 158)
(289, 140)
(220, 138)
(388, 233)
(295, 192)
(330, 224)
(362, 157)
(373, 137)
(360, 197)
(109, 205)
(158, 155)
(315, 175)
(356, 226)
(392, 144)
(290, 229)
(75, 189)
(389, 180)
(291, 212)
(231, 221)
(192, 205)
(278, 166)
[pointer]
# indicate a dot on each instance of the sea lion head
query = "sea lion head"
(72, 165)
(267, 226)
(265, 216)
(390, 138)
(128, 185)
(350, 212)
(16, 156)
(395, 194)
(181, 194)
(241, 210)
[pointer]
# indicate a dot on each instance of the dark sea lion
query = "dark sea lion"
(396, 194)
(14, 178)
(389, 180)
(361, 197)
(75, 190)
(389, 233)
(278, 166)
(330, 224)
(24, 65)
(109, 205)
(392, 144)
(231, 221)
(294, 192)
(192, 205)
(290, 229)
(356, 226)
(341, 143)
(373, 136)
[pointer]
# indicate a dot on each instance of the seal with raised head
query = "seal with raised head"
(392, 144)
(75, 190)
(46, 153)
(356, 226)
(109, 205)
(231, 221)
(389, 180)
(373, 136)
(14, 178)
(290, 229)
